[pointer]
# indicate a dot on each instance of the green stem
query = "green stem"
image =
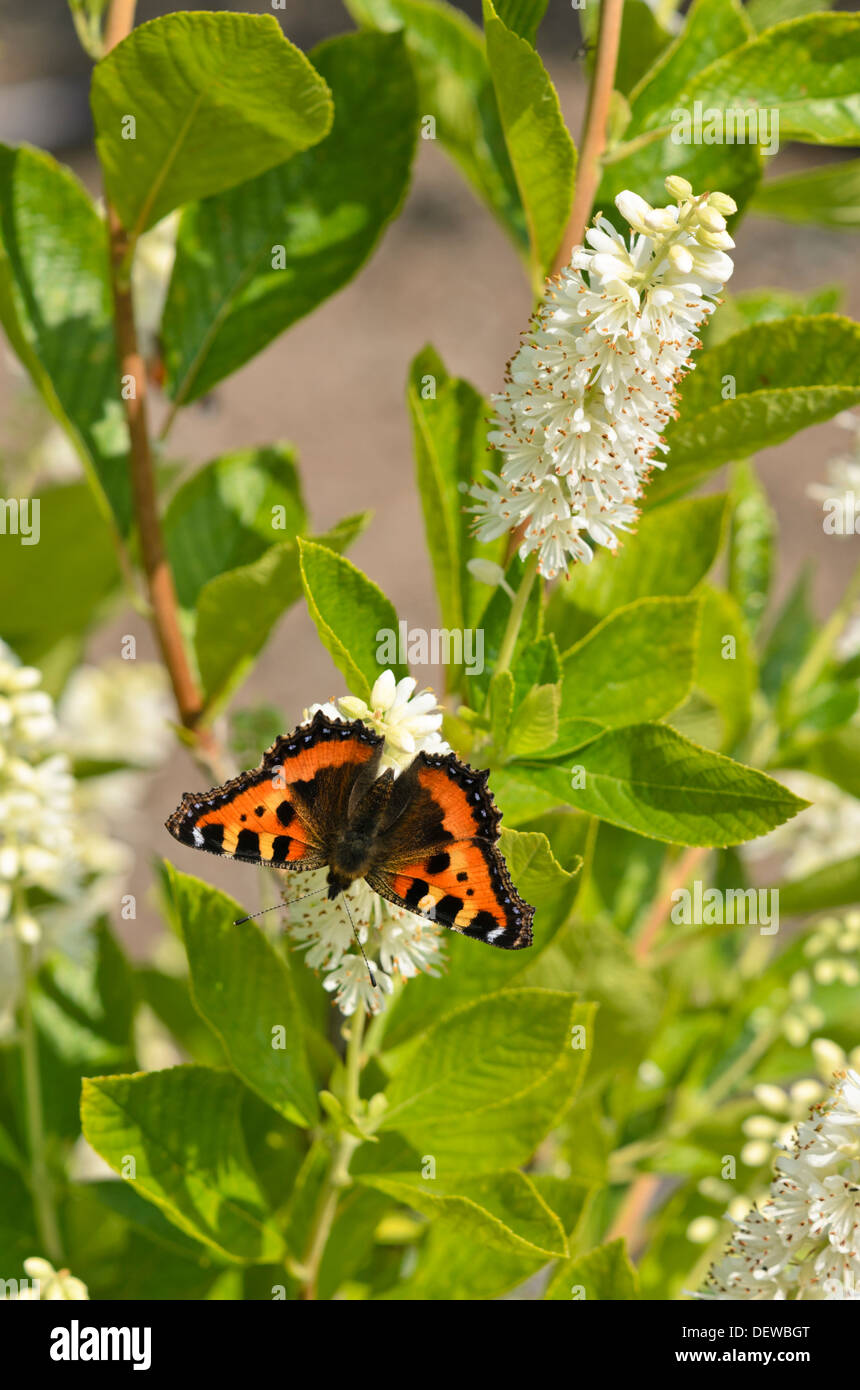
(515, 618)
(726, 1082)
(624, 1158)
(40, 1178)
(338, 1174)
(818, 655)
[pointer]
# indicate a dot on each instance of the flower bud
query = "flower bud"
(486, 572)
(721, 202)
(27, 929)
(828, 1055)
(633, 209)
(353, 706)
(711, 220)
(716, 241)
(662, 220)
(678, 188)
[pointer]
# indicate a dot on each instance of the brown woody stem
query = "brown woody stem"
(156, 566)
(594, 134)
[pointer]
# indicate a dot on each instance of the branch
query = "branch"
(663, 902)
(594, 134)
(156, 566)
(634, 1211)
(119, 23)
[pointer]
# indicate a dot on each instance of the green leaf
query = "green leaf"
(550, 889)
(785, 376)
(225, 515)
(216, 99)
(712, 28)
(449, 1268)
(629, 1001)
(493, 621)
(352, 616)
(604, 1273)
(836, 756)
(760, 306)
(75, 558)
(645, 162)
(763, 14)
(643, 39)
(169, 997)
(523, 17)
(457, 90)
(181, 1128)
(725, 667)
(485, 1084)
(650, 779)
(642, 42)
(808, 69)
(542, 153)
(790, 637)
(829, 196)
(834, 885)
(637, 664)
(672, 551)
(233, 289)
(56, 308)
(501, 707)
(121, 1198)
(503, 1210)
(343, 1120)
(243, 988)
(88, 18)
(236, 611)
(751, 541)
(450, 441)
(536, 723)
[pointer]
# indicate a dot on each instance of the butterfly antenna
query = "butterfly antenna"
(358, 939)
(278, 907)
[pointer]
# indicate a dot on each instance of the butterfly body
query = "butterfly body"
(425, 841)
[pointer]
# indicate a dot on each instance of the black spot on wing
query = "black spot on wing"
(213, 836)
(285, 813)
(417, 891)
(248, 843)
(437, 863)
(448, 907)
(308, 789)
(280, 849)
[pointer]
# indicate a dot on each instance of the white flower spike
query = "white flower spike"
(594, 382)
(804, 1241)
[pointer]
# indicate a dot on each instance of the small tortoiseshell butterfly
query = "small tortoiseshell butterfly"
(425, 840)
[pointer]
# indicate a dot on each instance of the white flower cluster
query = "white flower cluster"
(49, 1285)
(409, 723)
(44, 843)
(38, 847)
(595, 379)
(843, 470)
(118, 712)
(804, 1241)
(824, 832)
(396, 941)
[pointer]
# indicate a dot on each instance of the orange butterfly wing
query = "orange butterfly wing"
(440, 858)
(282, 813)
